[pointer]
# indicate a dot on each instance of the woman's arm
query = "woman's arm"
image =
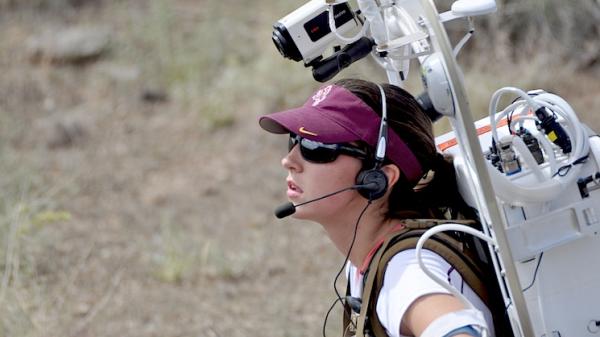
(427, 309)
(410, 301)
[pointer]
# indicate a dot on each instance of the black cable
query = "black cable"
(337, 276)
(537, 267)
(564, 170)
(328, 312)
(349, 251)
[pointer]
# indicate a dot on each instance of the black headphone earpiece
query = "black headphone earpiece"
(376, 176)
(373, 177)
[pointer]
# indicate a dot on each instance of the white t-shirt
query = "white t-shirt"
(405, 281)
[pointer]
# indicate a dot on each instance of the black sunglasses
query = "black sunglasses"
(321, 153)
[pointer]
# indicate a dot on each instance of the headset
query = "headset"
(376, 174)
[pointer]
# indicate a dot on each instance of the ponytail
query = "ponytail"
(442, 195)
(435, 196)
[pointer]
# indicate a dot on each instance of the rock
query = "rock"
(65, 129)
(66, 134)
(71, 45)
(154, 95)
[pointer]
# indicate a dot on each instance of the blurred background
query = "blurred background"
(136, 188)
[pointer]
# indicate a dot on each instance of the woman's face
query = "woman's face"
(307, 181)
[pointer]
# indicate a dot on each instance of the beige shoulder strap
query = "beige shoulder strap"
(443, 244)
(368, 287)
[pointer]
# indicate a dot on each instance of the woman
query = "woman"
(333, 138)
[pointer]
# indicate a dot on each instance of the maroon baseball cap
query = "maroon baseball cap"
(335, 115)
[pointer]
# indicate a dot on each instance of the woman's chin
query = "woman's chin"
(301, 214)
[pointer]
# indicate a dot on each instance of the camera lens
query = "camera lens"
(284, 43)
(279, 42)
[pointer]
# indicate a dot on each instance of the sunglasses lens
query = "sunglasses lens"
(320, 153)
(317, 152)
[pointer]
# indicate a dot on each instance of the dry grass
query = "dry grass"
(156, 220)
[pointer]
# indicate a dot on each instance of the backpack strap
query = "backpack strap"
(443, 244)
(368, 291)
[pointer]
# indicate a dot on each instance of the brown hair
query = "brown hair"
(406, 118)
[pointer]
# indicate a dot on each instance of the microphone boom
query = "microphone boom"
(289, 208)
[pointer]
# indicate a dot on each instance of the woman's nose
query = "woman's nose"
(291, 160)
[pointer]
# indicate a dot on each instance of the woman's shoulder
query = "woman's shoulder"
(404, 266)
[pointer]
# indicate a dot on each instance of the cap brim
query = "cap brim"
(308, 122)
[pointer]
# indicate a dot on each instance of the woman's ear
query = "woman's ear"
(392, 173)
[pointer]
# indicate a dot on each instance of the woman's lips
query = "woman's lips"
(293, 190)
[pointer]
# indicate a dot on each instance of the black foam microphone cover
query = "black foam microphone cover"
(285, 210)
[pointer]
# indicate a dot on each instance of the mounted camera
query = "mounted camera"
(304, 34)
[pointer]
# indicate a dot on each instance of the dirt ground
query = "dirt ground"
(170, 230)
(142, 217)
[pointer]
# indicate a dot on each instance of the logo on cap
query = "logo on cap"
(306, 132)
(320, 95)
